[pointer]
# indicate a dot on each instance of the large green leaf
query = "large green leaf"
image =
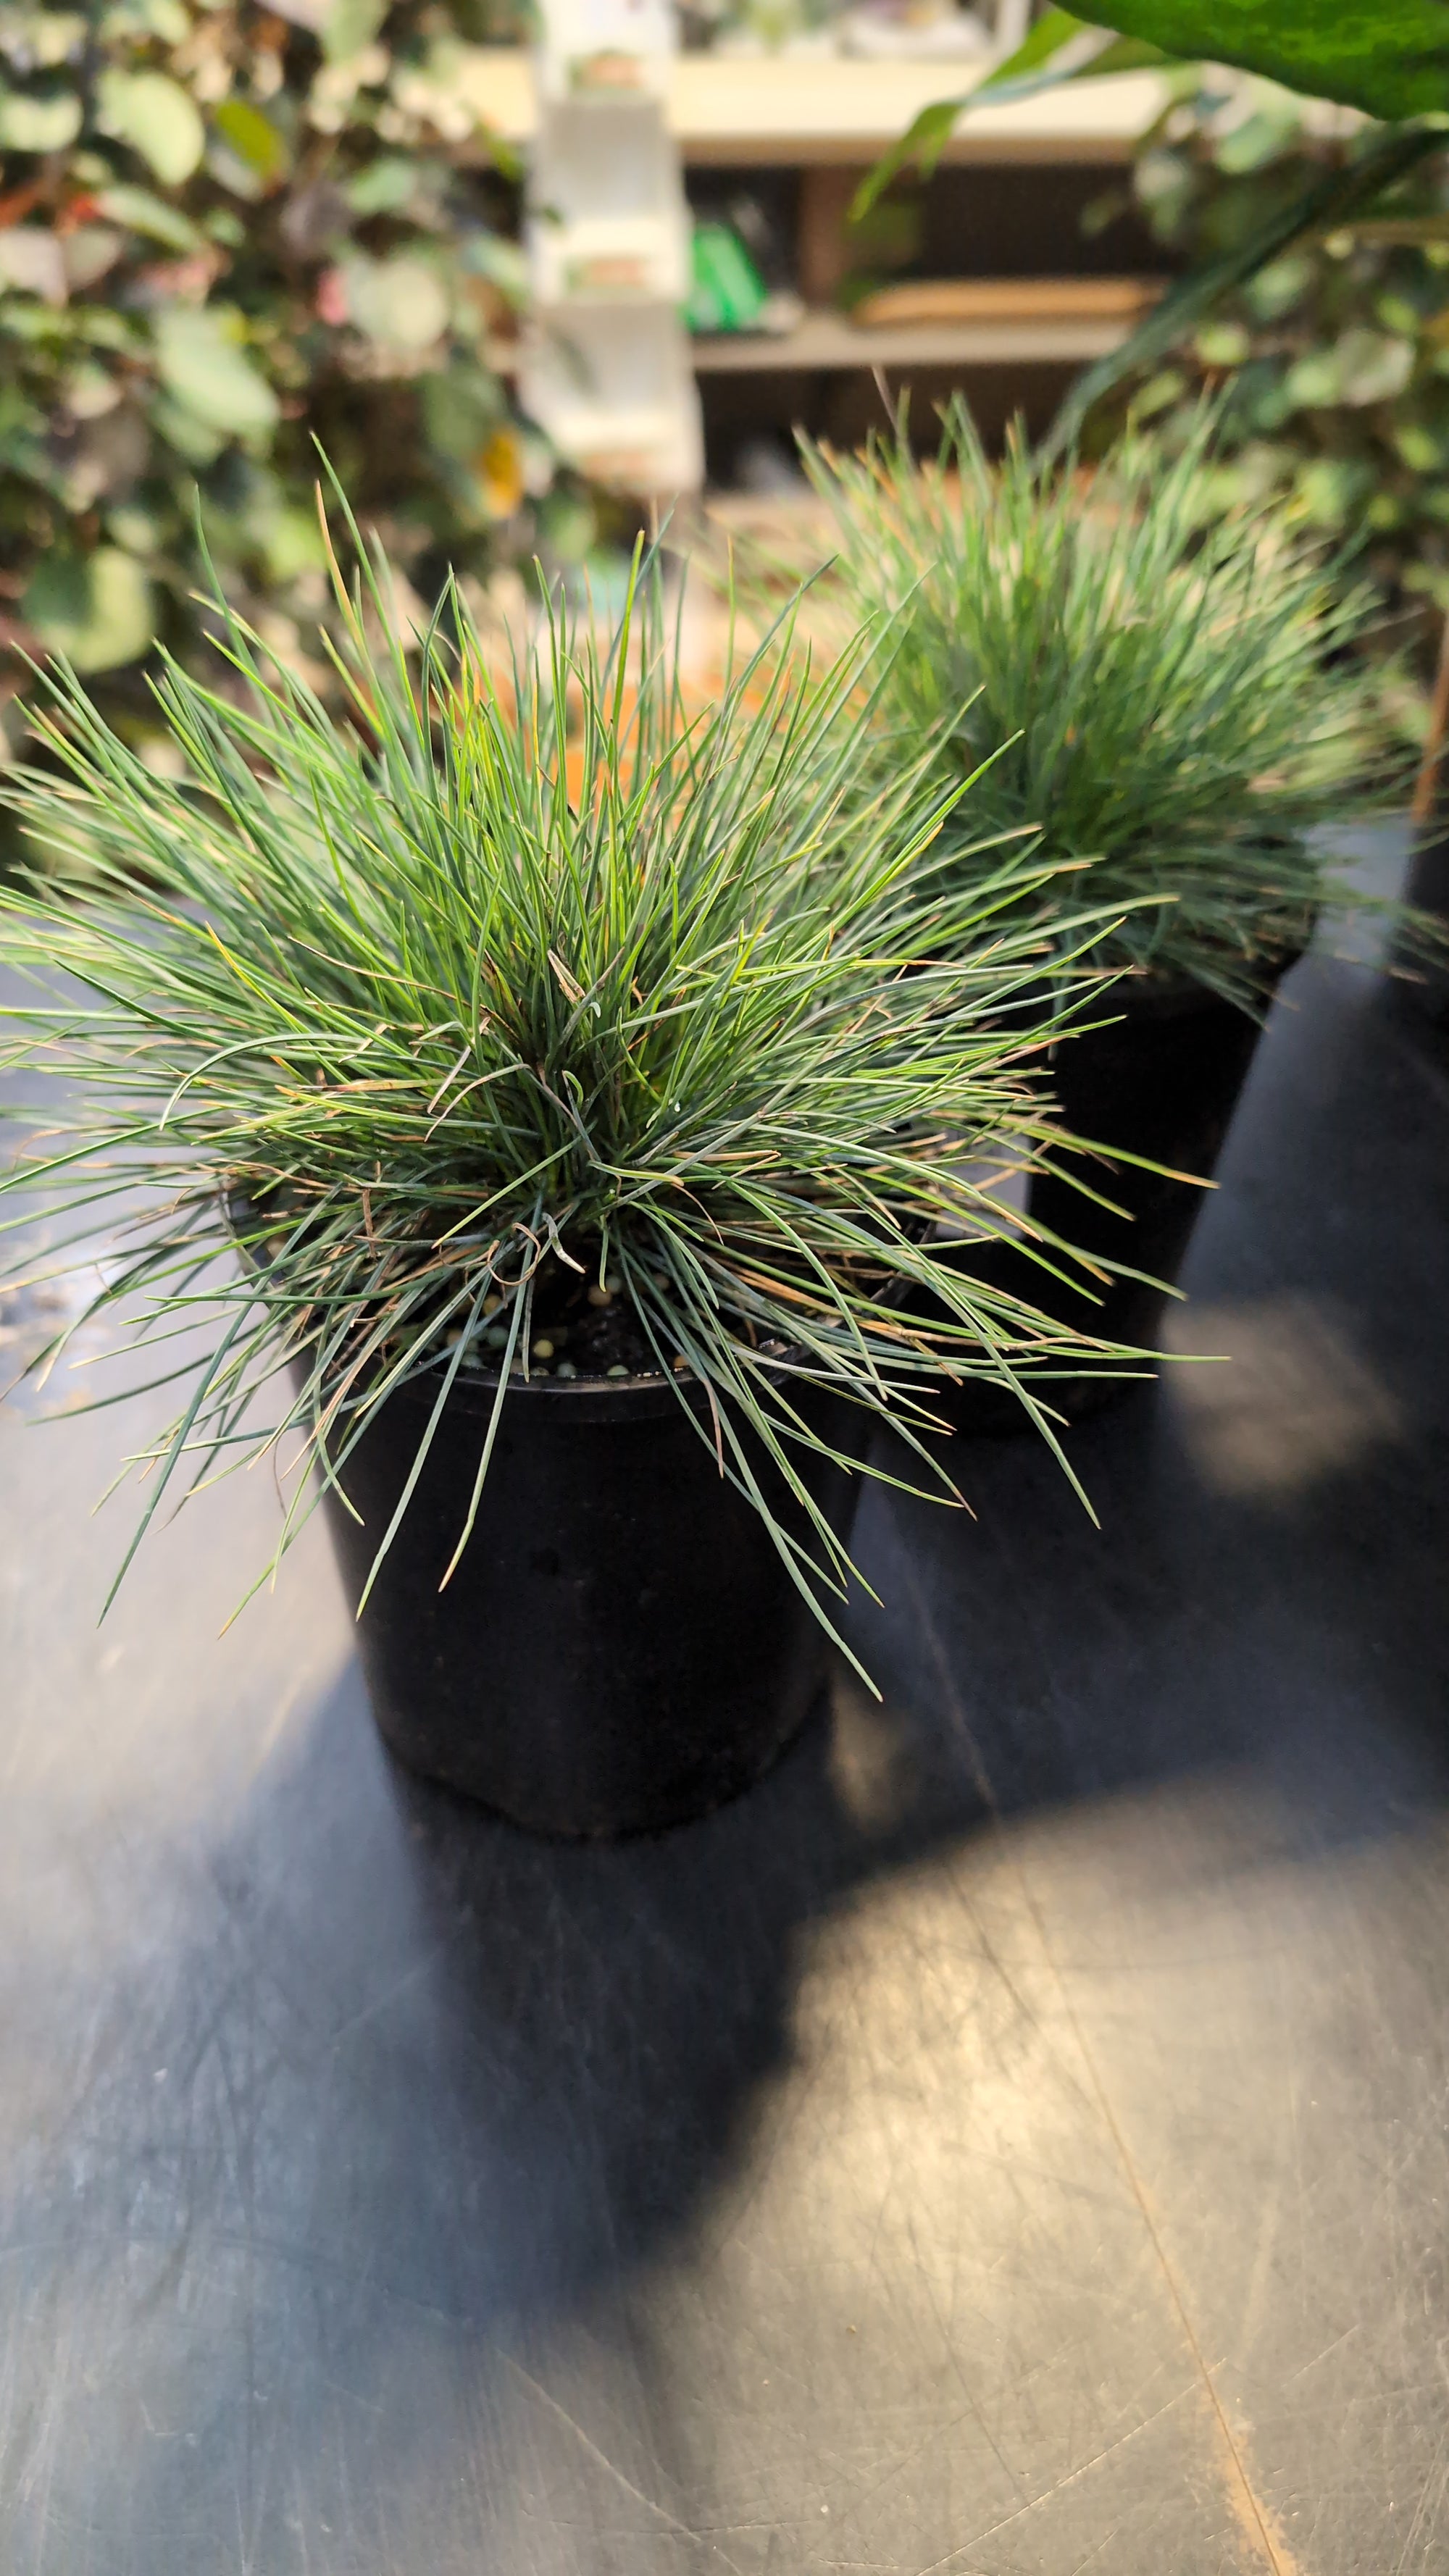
(157, 117)
(254, 139)
(142, 213)
(32, 260)
(349, 25)
(34, 122)
(1388, 57)
(1060, 47)
(202, 363)
(94, 608)
(399, 302)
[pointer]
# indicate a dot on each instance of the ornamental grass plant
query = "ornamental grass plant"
(1171, 683)
(526, 1022)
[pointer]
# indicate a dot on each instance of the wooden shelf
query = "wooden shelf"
(729, 112)
(825, 341)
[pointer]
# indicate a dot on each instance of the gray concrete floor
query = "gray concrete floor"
(1012, 2142)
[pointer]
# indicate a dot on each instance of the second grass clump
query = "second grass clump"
(1178, 703)
(1173, 690)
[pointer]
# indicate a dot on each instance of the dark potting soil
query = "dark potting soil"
(577, 1329)
(587, 1329)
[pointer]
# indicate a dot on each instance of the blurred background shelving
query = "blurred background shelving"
(742, 111)
(774, 149)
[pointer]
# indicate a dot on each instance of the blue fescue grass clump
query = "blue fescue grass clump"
(1176, 687)
(518, 970)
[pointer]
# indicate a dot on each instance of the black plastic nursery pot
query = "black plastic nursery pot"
(620, 1647)
(1422, 985)
(1162, 1081)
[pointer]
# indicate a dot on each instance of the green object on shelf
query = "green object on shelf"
(727, 292)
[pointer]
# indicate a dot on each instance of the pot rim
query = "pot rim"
(598, 1398)
(595, 1398)
(1156, 993)
(585, 1399)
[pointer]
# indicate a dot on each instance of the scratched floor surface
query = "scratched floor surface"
(1011, 2143)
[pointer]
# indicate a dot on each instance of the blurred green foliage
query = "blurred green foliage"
(225, 231)
(1334, 360)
